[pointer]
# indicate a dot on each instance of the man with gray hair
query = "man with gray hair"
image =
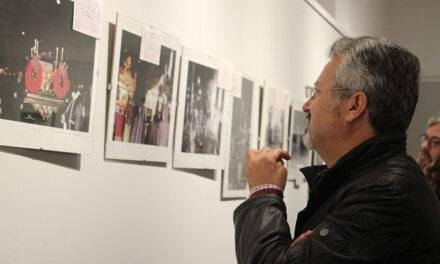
(370, 203)
(430, 144)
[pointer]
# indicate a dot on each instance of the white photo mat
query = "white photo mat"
(35, 136)
(191, 160)
(241, 193)
(139, 151)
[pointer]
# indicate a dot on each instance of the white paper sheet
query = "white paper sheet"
(87, 17)
(237, 82)
(281, 98)
(150, 45)
(225, 75)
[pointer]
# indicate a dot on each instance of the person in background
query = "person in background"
(370, 203)
(430, 144)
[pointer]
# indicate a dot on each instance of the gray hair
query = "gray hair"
(387, 73)
(433, 121)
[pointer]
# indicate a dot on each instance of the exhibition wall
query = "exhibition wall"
(69, 208)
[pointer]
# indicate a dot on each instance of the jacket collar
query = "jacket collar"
(359, 157)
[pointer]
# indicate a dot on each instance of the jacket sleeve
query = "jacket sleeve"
(262, 233)
(357, 231)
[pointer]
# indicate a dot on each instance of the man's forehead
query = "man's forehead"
(434, 130)
(327, 75)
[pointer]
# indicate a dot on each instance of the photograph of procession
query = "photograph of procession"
(141, 109)
(46, 68)
(144, 95)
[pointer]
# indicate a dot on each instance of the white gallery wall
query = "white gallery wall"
(413, 24)
(63, 208)
(358, 17)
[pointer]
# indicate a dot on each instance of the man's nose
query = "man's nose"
(306, 107)
(425, 145)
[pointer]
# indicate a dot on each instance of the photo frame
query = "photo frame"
(203, 111)
(142, 106)
(242, 134)
(274, 117)
(301, 155)
(47, 78)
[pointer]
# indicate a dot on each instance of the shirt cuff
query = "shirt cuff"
(266, 189)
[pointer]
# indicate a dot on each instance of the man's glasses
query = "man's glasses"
(311, 91)
(433, 142)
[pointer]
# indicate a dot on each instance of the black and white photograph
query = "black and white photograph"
(274, 120)
(140, 119)
(200, 128)
(203, 111)
(275, 128)
(300, 153)
(243, 135)
(47, 69)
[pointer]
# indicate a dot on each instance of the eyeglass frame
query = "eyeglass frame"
(433, 142)
(313, 90)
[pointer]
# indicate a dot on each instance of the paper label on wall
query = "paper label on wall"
(87, 17)
(150, 45)
(237, 82)
(225, 75)
(281, 98)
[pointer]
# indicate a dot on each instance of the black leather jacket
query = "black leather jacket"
(373, 206)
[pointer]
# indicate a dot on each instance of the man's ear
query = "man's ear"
(356, 105)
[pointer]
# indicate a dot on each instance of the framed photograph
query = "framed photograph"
(202, 111)
(143, 96)
(47, 77)
(301, 155)
(243, 134)
(274, 117)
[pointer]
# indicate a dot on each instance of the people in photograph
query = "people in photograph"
(73, 116)
(213, 117)
(164, 124)
(240, 142)
(241, 132)
(371, 202)
(124, 98)
(128, 118)
(165, 102)
(197, 119)
(274, 130)
(138, 123)
(430, 144)
(155, 99)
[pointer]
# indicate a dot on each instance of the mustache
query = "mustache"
(426, 154)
